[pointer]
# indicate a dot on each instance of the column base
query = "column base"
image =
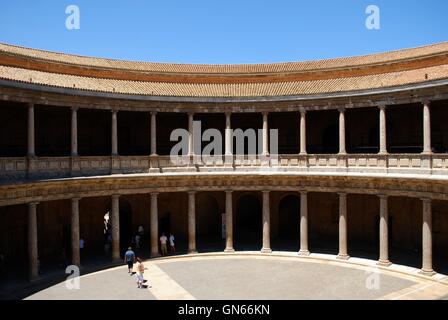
(192, 251)
(426, 272)
(155, 255)
(266, 250)
(342, 257)
(384, 263)
(304, 253)
(229, 250)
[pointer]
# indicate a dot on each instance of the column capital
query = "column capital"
(33, 203)
(229, 191)
(74, 108)
(265, 191)
(115, 196)
(154, 193)
(342, 109)
(426, 200)
(192, 192)
(190, 113)
(382, 106)
(75, 199)
(426, 102)
(114, 110)
(383, 196)
(302, 111)
(265, 113)
(153, 113)
(342, 194)
(303, 191)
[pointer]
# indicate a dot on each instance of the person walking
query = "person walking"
(140, 272)
(129, 259)
(163, 240)
(172, 247)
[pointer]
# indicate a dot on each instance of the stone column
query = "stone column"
(304, 224)
(427, 149)
(31, 143)
(192, 222)
(190, 134)
(384, 232)
(153, 134)
(427, 238)
(303, 132)
(74, 135)
(114, 133)
(265, 134)
(229, 222)
(342, 131)
(154, 226)
(76, 257)
(228, 135)
(32, 242)
(343, 227)
(115, 217)
(266, 224)
(383, 136)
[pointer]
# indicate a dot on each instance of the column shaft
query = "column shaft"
(342, 131)
(190, 134)
(228, 135)
(229, 222)
(343, 254)
(383, 131)
(74, 132)
(115, 217)
(265, 134)
(114, 133)
(76, 257)
(32, 242)
(427, 148)
(304, 251)
(154, 226)
(384, 232)
(31, 140)
(153, 134)
(303, 132)
(427, 238)
(266, 224)
(191, 222)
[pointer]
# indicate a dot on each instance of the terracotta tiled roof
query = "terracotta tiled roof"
(24, 65)
(225, 90)
(379, 58)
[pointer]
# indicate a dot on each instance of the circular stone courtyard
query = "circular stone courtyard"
(253, 276)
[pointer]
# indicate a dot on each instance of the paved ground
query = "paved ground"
(249, 277)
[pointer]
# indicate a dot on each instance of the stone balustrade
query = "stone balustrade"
(22, 168)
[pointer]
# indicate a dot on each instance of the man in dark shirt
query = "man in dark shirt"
(129, 259)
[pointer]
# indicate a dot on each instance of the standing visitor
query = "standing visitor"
(137, 241)
(82, 244)
(163, 240)
(129, 259)
(140, 272)
(173, 249)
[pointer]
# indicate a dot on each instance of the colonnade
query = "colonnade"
(343, 253)
(228, 136)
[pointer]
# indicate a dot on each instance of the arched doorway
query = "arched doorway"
(208, 217)
(248, 224)
(288, 223)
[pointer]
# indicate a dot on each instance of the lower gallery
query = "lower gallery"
(360, 170)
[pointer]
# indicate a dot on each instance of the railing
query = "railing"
(58, 167)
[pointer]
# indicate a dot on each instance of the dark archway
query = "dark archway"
(208, 217)
(288, 223)
(248, 224)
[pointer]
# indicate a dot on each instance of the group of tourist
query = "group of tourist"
(163, 244)
(130, 259)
